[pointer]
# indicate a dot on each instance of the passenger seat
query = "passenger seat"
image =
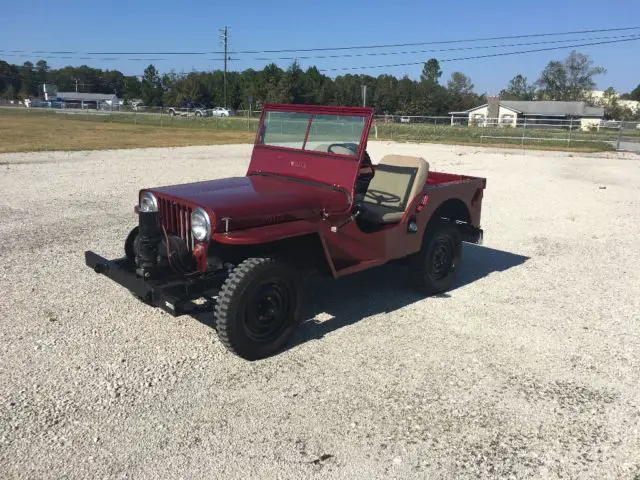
(397, 180)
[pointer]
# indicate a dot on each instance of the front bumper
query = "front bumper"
(175, 295)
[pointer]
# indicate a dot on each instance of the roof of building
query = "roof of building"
(86, 97)
(548, 108)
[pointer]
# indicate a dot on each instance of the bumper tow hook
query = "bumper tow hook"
(101, 268)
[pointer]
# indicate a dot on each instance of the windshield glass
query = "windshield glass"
(339, 134)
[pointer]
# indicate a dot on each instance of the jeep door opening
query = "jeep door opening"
(311, 202)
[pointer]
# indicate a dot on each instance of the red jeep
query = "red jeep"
(312, 201)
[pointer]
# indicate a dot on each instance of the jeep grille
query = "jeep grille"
(176, 219)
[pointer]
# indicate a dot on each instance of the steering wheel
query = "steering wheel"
(347, 146)
(380, 197)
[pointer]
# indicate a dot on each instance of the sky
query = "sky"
(193, 26)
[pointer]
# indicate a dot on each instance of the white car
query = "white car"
(220, 112)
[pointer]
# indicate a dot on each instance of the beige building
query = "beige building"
(516, 113)
(598, 97)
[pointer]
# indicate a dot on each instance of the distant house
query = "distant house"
(599, 97)
(108, 101)
(513, 113)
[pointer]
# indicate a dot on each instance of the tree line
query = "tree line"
(568, 79)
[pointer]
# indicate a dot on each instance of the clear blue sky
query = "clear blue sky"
(144, 25)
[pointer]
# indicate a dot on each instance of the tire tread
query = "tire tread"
(242, 273)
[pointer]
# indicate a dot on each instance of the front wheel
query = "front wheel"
(258, 307)
(434, 267)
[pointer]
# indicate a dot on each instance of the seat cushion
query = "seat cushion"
(398, 179)
(380, 213)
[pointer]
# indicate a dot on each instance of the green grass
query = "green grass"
(26, 132)
(548, 139)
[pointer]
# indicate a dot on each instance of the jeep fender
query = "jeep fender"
(300, 239)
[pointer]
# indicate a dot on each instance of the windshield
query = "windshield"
(339, 134)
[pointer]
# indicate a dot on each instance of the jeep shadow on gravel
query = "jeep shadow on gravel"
(311, 202)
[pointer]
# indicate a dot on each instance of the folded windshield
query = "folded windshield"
(339, 134)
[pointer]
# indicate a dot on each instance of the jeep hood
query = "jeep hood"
(256, 200)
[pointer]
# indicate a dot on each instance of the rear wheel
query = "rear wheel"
(434, 267)
(258, 307)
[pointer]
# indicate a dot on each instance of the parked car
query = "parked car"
(405, 119)
(311, 202)
(220, 112)
(188, 109)
(137, 106)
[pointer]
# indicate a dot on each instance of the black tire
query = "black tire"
(434, 268)
(172, 113)
(198, 114)
(130, 246)
(258, 307)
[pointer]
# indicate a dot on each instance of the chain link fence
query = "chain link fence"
(159, 116)
(573, 133)
(589, 133)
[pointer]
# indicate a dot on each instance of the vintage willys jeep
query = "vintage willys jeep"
(312, 201)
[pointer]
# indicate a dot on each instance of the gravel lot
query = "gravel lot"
(529, 368)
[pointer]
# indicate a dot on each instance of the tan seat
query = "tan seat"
(397, 181)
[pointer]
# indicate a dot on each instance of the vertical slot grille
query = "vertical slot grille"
(176, 219)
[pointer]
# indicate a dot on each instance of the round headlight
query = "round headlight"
(200, 225)
(148, 202)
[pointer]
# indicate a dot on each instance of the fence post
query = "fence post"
(161, 112)
(524, 130)
(570, 128)
(619, 135)
(435, 121)
(375, 127)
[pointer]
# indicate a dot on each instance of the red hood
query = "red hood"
(256, 200)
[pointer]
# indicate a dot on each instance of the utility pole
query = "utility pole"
(224, 36)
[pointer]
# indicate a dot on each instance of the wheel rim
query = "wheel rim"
(267, 313)
(441, 261)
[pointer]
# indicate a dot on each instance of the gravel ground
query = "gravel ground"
(528, 368)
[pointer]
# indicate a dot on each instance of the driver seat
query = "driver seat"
(397, 181)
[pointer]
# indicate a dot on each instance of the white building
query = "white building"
(516, 113)
(598, 98)
(108, 101)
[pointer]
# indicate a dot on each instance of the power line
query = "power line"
(474, 57)
(473, 47)
(67, 57)
(352, 55)
(501, 54)
(440, 42)
(319, 49)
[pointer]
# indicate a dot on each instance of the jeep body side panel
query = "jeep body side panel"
(348, 249)
(352, 250)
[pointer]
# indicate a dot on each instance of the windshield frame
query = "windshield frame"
(365, 112)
